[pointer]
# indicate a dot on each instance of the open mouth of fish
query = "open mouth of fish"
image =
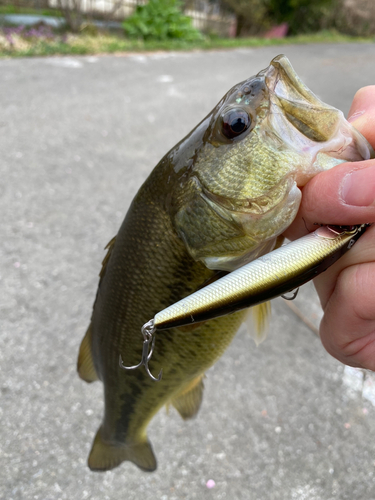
(301, 122)
(318, 128)
(316, 120)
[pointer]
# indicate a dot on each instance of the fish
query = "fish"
(222, 197)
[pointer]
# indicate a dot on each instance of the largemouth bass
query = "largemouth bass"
(219, 199)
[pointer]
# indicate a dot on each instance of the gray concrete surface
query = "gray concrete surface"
(54, 22)
(282, 421)
(31, 19)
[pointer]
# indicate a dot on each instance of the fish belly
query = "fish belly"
(132, 398)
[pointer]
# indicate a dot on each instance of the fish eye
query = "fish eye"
(235, 122)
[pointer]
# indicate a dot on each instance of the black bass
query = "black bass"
(219, 199)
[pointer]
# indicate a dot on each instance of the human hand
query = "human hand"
(345, 195)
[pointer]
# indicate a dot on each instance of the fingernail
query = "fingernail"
(358, 187)
(355, 115)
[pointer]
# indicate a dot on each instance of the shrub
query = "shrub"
(303, 16)
(356, 17)
(160, 20)
(252, 15)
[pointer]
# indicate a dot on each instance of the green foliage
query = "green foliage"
(107, 43)
(303, 16)
(15, 9)
(160, 20)
(89, 29)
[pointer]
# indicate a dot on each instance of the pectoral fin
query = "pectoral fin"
(104, 456)
(85, 364)
(257, 318)
(257, 321)
(189, 400)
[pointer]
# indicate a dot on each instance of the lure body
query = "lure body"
(265, 278)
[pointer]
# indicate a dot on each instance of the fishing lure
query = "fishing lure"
(270, 276)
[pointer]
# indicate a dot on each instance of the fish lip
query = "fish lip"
(255, 207)
(280, 69)
(317, 121)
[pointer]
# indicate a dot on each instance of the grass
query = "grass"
(24, 44)
(14, 9)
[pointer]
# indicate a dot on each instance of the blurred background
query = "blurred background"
(80, 130)
(42, 27)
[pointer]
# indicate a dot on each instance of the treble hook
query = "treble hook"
(148, 331)
(293, 296)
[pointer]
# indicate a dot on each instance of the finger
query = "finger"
(347, 330)
(361, 253)
(362, 113)
(344, 195)
(339, 196)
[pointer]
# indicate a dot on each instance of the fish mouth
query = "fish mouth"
(304, 123)
(315, 119)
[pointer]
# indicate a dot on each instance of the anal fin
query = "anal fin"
(189, 400)
(104, 456)
(85, 364)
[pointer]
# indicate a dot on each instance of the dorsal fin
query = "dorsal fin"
(85, 365)
(105, 261)
(109, 246)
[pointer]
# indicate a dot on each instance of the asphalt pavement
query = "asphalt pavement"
(78, 135)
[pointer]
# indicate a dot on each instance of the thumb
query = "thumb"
(362, 113)
(344, 195)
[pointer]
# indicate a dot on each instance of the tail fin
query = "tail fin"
(105, 456)
(85, 364)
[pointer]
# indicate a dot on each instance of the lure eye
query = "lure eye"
(235, 122)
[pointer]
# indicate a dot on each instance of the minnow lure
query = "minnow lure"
(265, 278)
